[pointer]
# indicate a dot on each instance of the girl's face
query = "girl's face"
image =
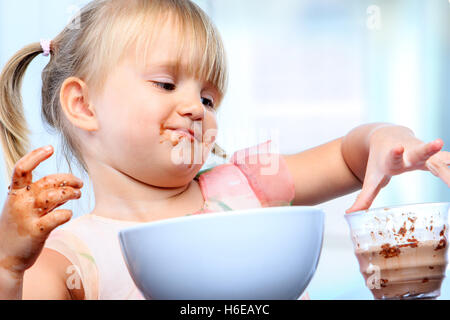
(139, 108)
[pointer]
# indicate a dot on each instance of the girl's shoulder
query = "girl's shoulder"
(70, 241)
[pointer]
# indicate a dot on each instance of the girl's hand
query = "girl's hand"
(392, 153)
(28, 215)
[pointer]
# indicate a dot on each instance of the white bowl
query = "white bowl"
(263, 253)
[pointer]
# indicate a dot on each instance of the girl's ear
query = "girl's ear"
(76, 106)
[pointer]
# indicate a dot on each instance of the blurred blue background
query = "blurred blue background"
(302, 72)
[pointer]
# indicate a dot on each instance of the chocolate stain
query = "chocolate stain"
(412, 243)
(442, 231)
(389, 252)
(413, 220)
(402, 230)
(9, 264)
(442, 244)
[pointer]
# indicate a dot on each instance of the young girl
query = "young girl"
(132, 91)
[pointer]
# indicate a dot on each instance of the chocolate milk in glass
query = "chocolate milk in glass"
(402, 251)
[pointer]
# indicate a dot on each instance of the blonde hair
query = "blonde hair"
(94, 41)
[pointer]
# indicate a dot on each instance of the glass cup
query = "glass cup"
(402, 250)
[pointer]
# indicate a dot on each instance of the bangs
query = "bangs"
(199, 48)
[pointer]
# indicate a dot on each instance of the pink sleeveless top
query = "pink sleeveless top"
(253, 178)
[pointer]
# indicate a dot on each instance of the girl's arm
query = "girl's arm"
(45, 280)
(27, 269)
(321, 174)
(325, 172)
(50, 279)
(370, 153)
(10, 285)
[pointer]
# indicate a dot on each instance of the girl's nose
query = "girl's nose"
(195, 111)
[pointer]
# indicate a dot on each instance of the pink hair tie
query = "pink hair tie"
(45, 44)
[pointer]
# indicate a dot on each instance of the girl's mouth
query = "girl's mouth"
(183, 133)
(175, 134)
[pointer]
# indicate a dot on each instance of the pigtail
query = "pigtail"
(14, 131)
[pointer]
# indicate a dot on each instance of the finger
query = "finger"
(59, 180)
(22, 175)
(366, 197)
(444, 156)
(440, 169)
(422, 153)
(49, 199)
(54, 219)
(395, 160)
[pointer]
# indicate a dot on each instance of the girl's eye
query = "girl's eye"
(164, 85)
(208, 102)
